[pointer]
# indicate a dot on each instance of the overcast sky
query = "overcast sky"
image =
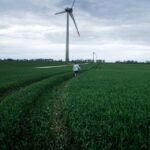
(113, 29)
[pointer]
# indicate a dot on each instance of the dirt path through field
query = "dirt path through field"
(45, 67)
(58, 125)
(63, 136)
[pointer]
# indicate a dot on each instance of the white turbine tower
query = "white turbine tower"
(69, 12)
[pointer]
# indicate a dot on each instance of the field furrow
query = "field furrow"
(18, 109)
(7, 90)
(27, 112)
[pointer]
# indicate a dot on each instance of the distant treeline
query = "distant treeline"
(52, 60)
(87, 61)
(132, 62)
(40, 59)
(79, 61)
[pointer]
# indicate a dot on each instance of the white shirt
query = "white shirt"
(76, 67)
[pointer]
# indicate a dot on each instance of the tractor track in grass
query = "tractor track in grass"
(61, 66)
(38, 121)
(59, 127)
(24, 131)
(57, 134)
(4, 92)
(64, 139)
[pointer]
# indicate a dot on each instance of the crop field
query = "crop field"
(109, 107)
(27, 97)
(106, 107)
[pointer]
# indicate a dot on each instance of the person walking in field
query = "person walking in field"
(76, 68)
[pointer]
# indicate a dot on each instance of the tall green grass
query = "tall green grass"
(14, 75)
(25, 115)
(26, 109)
(109, 107)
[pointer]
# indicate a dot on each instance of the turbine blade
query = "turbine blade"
(62, 12)
(73, 3)
(71, 14)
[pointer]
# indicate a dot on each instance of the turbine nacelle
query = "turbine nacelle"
(69, 10)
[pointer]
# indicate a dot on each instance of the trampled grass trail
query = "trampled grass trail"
(61, 66)
(7, 90)
(25, 115)
(45, 67)
(28, 113)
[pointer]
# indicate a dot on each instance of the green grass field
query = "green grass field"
(106, 107)
(109, 107)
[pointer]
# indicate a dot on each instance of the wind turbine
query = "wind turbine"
(69, 12)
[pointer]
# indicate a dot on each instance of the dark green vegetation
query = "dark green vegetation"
(14, 75)
(27, 104)
(106, 107)
(109, 107)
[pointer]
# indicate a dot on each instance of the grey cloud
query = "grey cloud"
(26, 6)
(4, 26)
(101, 22)
(113, 9)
